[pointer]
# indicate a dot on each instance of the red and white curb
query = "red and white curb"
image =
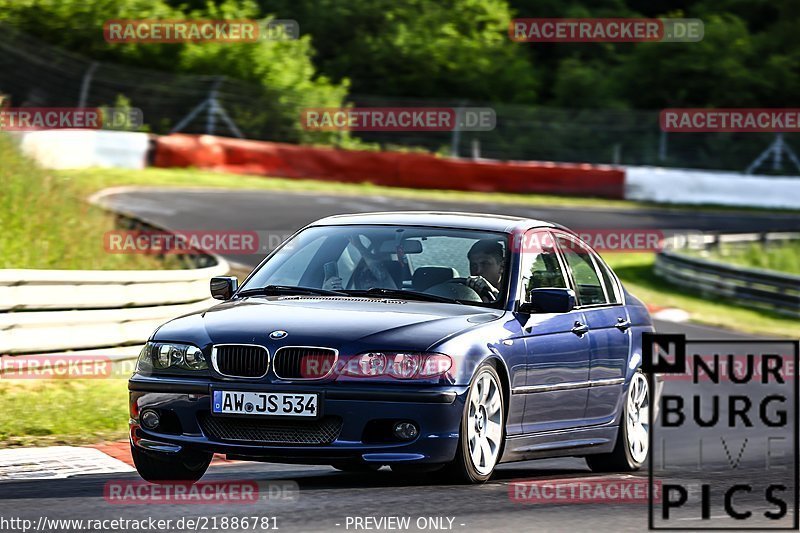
(59, 462)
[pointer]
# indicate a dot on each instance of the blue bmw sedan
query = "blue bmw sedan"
(443, 342)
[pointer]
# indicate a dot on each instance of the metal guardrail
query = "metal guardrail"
(38, 290)
(72, 310)
(753, 287)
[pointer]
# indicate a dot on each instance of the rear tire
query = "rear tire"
(632, 445)
(162, 468)
(482, 432)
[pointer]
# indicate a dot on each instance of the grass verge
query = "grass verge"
(54, 412)
(47, 223)
(778, 256)
(637, 274)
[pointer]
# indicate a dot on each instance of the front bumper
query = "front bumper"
(435, 410)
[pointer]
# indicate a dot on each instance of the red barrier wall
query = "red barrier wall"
(386, 168)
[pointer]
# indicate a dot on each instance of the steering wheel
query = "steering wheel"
(455, 288)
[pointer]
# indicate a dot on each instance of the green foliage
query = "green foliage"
(781, 256)
(717, 71)
(422, 52)
(583, 85)
(454, 49)
(40, 412)
(122, 105)
(282, 78)
(426, 48)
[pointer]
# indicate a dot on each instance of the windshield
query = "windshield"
(462, 266)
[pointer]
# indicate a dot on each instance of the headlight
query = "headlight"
(372, 364)
(168, 355)
(405, 365)
(398, 365)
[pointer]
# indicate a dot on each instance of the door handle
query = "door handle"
(622, 324)
(580, 329)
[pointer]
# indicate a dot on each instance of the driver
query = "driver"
(486, 266)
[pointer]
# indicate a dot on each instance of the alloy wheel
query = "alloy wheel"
(638, 418)
(485, 423)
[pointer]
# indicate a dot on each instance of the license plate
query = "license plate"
(264, 403)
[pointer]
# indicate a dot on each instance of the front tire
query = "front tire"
(632, 445)
(482, 429)
(163, 468)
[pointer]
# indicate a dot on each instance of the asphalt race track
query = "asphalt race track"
(328, 500)
(277, 214)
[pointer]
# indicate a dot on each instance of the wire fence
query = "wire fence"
(36, 74)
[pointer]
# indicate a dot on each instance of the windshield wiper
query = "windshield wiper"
(288, 289)
(399, 293)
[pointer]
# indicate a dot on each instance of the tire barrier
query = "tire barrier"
(65, 149)
(699, 187)
(421, 171)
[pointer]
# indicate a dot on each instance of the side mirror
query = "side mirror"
(549, 300)
(223, 287)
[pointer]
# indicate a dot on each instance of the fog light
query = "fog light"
(405, 430)
(149, 419)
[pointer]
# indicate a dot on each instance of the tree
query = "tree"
(453, 49)
(282, 77)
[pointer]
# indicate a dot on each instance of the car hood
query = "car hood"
(343, 323)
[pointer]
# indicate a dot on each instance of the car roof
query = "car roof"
(445, 219)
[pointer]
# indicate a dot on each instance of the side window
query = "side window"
(611, 285)
(590, 288)
(540, 266)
